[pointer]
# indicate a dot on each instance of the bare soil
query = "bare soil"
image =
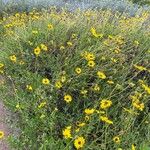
(3, 127)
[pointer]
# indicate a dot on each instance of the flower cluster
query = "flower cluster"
(78, 80)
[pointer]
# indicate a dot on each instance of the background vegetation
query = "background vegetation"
(77, 79)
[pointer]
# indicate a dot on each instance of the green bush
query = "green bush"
(77, 80)
(141, 2)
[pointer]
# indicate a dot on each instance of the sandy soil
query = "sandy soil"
(3, 127)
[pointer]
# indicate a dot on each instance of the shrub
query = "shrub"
(77, 79)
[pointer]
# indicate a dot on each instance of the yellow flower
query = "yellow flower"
(138, 105)
(136, 42)
(44, 47)
(21, 62)
(105, 119)
(105, 103)
(30, 43)
(35, 32)
(69, 43)
(89, 56)
(42, 116)
(18, 106)
(77, 130)
(96, 87)
(91, 63)
(87, 118)
(79, 142)
(117, 50)
(68, 98)
(116, 139)
(89, 111)
(83, 92)
(67, 132)
(63, 79)
(146, 88)
(29, 87)
(1, 65)
(37, 51)
(133, 147)
(110, 82)
(1, 134)
(45, 81)
(42, 104)
(58, 85)
(78, 70)
(114, 60)
(101, 75)
(62, 48)
(73, 36)
(80, 124)
(13, 58)
(95, 34)
(140, 68)
(103, 58)
(50, 26)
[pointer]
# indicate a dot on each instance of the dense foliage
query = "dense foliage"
(77, 79)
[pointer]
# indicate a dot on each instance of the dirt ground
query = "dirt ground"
(3, 127)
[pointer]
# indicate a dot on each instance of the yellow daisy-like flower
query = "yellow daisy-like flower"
(89, 111)
(79, 142)
(37, 51)
(42, 116)
(105, 119)
(146, 88)
(73, 36)
(50, 26)
(58, 85)
(140, 68)
(89, 56)
(138, 105)
(80, 124)
(116, 139)
(21, 62)
(69, 43)
(45, 81)
(13, 58)
(110, 82)
(133, 147)
(117, 50)
(17, 106)
(105, 103)
(96, 87)
(91, 63)
(62, 48)
(35, 32)
(42, 104)
(1, 134)
(136, 42)
(95, 34)
(68, 98)
(101, 75)
(113, 60)
(1, 65)
(83, 92)
(44, 47)
(29, 87)
(78, 70)
(67, 132)
(87, 118)
(63, 79)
